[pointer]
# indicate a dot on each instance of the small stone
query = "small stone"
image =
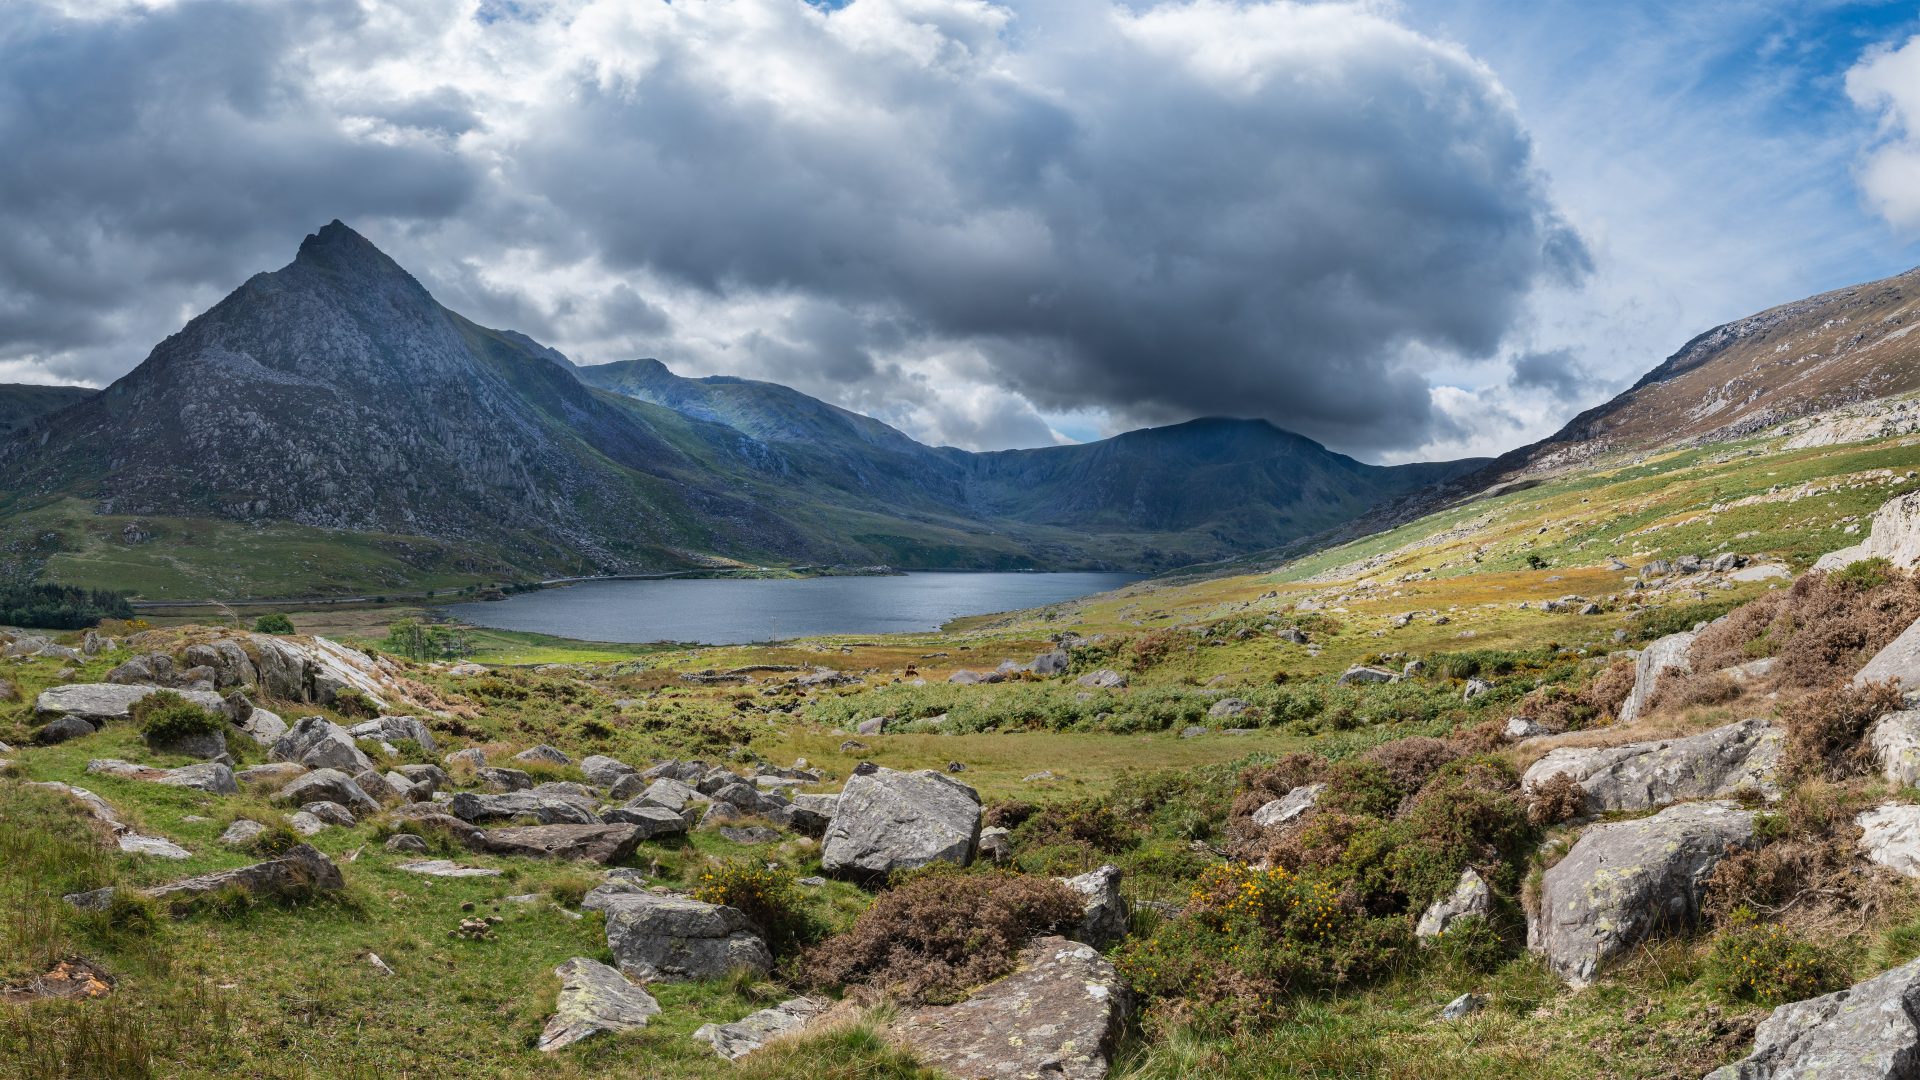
(1463, 1006)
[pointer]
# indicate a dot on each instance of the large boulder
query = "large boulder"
(1894, 536)
(1870, 1031)
(328, 785)
(1744, 755)
(212, 777)
(548, 810)
(604, 844)
(1900, 661)
(300, 872)
(1104, 917)
(316, 670)
(1294, 804)
(659, 937)
(228, 661)
(594, 999)
(605, 771)
(103, 703)
(651, 822)
(1628, 881)
(1895, 741)
(396, 729)
(887, 820)
(319, 743)
(1057, 1016)
(751, 1032)
(1650, 668)
(668, 794)
(1470, 897)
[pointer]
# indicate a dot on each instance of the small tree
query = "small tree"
(274, 623)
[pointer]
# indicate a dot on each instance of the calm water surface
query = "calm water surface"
(725, 611)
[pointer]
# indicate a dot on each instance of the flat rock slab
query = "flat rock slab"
(652, 821)
(887, 820)
(101, 703)
(301, 872)
(447, 868)
(547, 809)
(211, 777)
(1289, 807)
(658, 937)
(1865, 1032)
(1640, 776)
(1890, 837)
(594, 999)
(1627, 881)
(157, 847)
(605, 844)
(750, 1033)
(1057, 1016)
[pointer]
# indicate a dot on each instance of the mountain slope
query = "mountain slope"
(21, 403)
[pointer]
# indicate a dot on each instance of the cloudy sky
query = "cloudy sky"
(1417, 229)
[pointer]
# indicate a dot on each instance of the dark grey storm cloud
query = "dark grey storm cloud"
(1556, 371)
(1151, 211)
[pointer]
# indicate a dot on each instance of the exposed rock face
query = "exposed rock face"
(1106, 910)
(750, 1033)
(319, 743)
(396, 729)
(102, 703)
(300, 872)
(1899, 660)
(63, 728)
(594, 999)
(211, 777)
(605, 771)
(542, 755)
(1894, 536)
(657, 937)
(1865, 1032)
(265, 728)
(1362, 674)
(1895, 739)
(1056, 1017)
(603, 844)
(1470, 896)
(1650, 668)
(887, 820)
(548, 810)
(1638, 776)
(1890, 836)
(1631, 880)
(241, 833)
(649, 822)
(1104, 679)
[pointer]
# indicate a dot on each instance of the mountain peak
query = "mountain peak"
(338, 248)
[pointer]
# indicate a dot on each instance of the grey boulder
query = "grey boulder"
(604, 844)
(1470, 896)
(300, 872)
(102, 703)
(328, 785)
(319, 743)
(750, 1033)
(548, 810)
(1651, 667)
(1289, 807)
(1057, 1016)
(594, 999)
(664, 937)
(1638, 776)
(1627, 881)
(1105, 913)
(887, 820)
(1869, 1031)
(1900, 660)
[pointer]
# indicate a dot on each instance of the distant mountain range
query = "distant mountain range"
(335, 401)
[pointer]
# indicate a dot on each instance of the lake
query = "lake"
(735, 611)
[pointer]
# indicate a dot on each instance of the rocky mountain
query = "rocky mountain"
(21, 403)
(337, 395)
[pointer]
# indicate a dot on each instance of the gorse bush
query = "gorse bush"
(941, 932)
(274, 623)
(768, 897)
(164, 716)
(1247, 940)
(1768, 965)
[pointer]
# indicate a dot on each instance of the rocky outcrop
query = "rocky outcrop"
(1899, 661)
(604, 844)
(605, 771)
(396, 729)
(1628, 881)
(1894, 536)
(301, 872)
(594, 999)
(328, 785)
(750, 1033)
(1470, 897)
(211, 777)
(1057, 1016)
(102, 703)
(1105, 918)
(664, 937)
(1650, 668)
(649, 822)
(1870, 1031)
(319, 743)
(1713, 764)
(886, 821)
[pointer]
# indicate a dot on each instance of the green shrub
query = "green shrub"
(352, 703)
(274, 623)
(768, 897)
(1862, 575)
(1470, 943)
(164, 716)
(277, 839)
(1767, 965)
